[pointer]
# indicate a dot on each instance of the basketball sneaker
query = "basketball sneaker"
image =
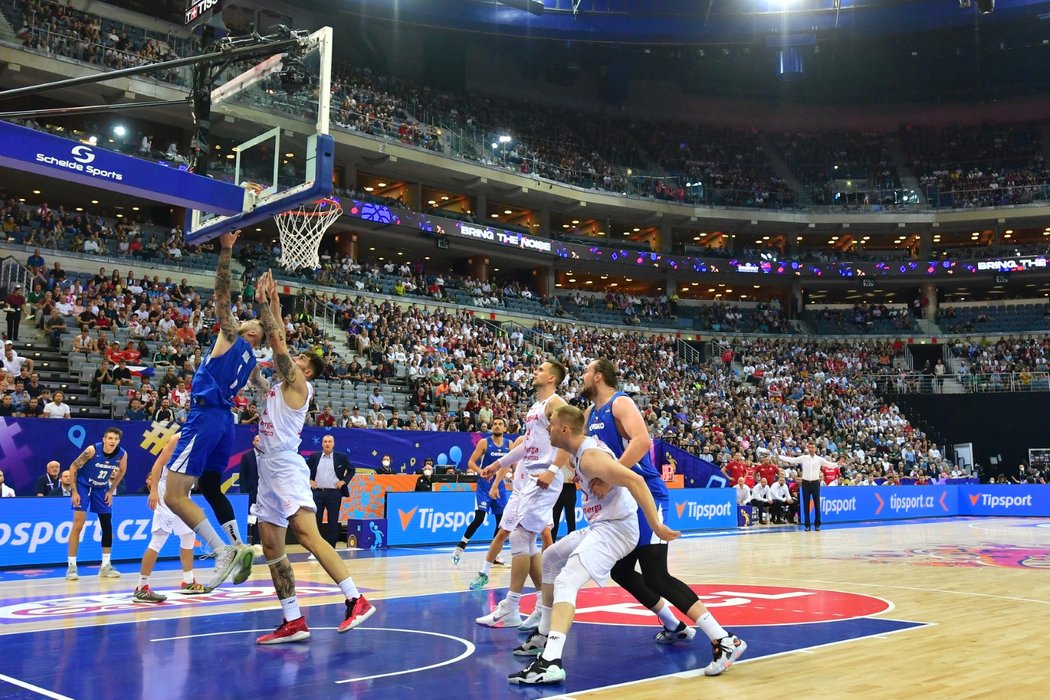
(480, 581)
(143, 594)
(245, 558)
(532, 622)
(357, 611)
(294, 631)
(71, 573)
(501, 616)
(682, 633)
(533, 646)
(227, 558)
(539, 671)
(498, 562)
(192, 588)
(457, 553)
(108, 571)
(726, 651)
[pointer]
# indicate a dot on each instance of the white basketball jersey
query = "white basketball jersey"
(280, 426)
(617, 504)
(539, 454)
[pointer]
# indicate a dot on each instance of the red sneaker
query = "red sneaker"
(357, 611)
(294, 631)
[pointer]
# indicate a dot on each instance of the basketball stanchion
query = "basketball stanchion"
(301, 231)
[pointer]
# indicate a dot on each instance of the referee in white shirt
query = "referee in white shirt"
(810, 463)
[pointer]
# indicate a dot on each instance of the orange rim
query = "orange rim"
(322, 210)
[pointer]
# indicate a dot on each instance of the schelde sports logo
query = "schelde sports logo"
(1004, 502)
(703, 511)
(433, 520)
(79, 160)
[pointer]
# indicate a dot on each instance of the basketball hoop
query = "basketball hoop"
(301, 231)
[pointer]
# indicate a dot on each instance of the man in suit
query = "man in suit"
(249, 484)
(330, 472)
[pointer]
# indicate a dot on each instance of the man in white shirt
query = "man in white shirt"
(782, 501)
(743, 493)
(762, 500)
(356, 420)
(55, 408)
(810, 463)
(5, 490)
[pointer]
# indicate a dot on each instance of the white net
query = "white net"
(301, 231)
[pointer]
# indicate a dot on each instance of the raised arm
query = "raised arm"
(266, 295)
(223, 297)
(789, 460)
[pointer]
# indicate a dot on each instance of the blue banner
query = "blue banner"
(702, 509)
(35, 531)
(843, 504)
(429, 518)
(28, 444)
(698, 473)
(1008, 499)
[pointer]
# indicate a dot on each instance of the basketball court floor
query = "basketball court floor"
(953, 608)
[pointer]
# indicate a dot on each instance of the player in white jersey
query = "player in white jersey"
(165, 523)
(537, 485)
(589, 553)
(284, 496)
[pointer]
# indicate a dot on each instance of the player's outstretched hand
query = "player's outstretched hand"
(665, 533)
(227, 240)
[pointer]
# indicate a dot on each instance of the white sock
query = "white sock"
(545, 620)
(486, 567)
(667, 617)
(290, 606)
(555, 644)
(143, 581)
(187, 576)
(105, 558)
(72, 561)
(233, 531)
(513, 600)
(349, 589)
(207, 534)
(709, 626)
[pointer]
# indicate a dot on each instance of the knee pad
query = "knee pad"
(568, 583)
(187, 541)
(106, 521)
(519, 542)
(156, 543)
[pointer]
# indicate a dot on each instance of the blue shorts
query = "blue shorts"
(92, 498)
(205, 442)
(645, 533)
(488, 504)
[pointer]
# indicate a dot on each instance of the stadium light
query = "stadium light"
(120, 130)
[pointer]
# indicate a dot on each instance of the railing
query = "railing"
(13, 273)
(689, 353)
(919, 383)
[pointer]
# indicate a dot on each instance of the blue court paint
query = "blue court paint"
(161, 659)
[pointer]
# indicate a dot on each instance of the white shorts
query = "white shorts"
(599, 546)
(166, 521)
(284, 488)
(531, 507)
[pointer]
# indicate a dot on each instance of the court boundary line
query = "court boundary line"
(34, 688)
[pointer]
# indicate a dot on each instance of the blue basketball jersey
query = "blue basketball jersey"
(602, 425)
(98, 471)
(218, 379)
(493, 453)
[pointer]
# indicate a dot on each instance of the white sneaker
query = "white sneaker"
(226, 560)
(71, 573)
(726, 651)
(108, 571)
(502, 616)
(257, 550)
(684, 633)
(532, 622)
(457, 553)
(533, 646)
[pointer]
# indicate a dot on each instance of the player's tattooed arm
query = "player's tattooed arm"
(223, 284)
(288, 369)
(80, 461)
(259, 381)
(283, 579)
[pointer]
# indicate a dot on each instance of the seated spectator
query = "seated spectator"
(56, 408)
(64, 487)
(135, 411)
(762, 500)
(782, 502)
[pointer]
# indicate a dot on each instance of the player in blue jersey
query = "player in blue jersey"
(95, 475)
(614, 419)
(487, 451)
(206, 439)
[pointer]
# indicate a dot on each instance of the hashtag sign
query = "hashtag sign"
(157, 436)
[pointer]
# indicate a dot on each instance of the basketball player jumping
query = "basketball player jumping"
(590, 553)
(614, 419)
(284, 496)
(537, 485)
(165, 524)
(206, 439)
